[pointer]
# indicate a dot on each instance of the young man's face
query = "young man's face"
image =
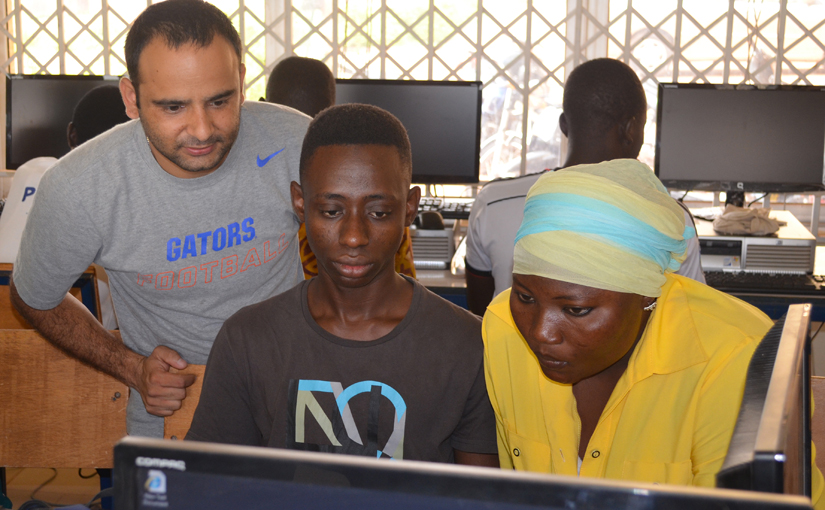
(356, 202)
(190, 100)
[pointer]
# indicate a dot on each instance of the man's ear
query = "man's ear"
(243, 75)
(297, 195)
(413, 197)
(130, 100)
(628, 130)
(71, 135)
(563, 124)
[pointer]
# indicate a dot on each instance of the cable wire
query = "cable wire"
(817, 330)
(35, 504)
(105, 493)
(47, 482)
(81, 475)
(756, 200)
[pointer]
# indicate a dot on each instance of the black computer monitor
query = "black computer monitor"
(38, 110)
(443, 120)
(734, 138)
(770, 449)
(151, 474)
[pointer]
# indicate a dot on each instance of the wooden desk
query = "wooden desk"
(453, 288)
(775, 305)
(55, 411)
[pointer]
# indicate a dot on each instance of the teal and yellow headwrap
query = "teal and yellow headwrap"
(610, 226)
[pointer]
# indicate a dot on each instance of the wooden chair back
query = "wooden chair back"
(177, 425)
(11, 319)
(54, 410)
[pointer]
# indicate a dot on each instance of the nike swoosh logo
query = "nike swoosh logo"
(262, 162)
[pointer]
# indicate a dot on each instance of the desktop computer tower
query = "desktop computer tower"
(432, 249)
(790, 250)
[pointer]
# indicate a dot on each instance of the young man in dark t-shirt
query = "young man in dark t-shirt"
(359, 359)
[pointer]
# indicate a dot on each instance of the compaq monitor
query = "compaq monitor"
(443, 120)
(771, 446)
(151, 474)
(38, 110)
(729, 138)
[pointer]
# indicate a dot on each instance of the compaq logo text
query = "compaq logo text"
(160, 463)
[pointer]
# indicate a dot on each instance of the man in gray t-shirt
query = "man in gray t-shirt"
(187, 209)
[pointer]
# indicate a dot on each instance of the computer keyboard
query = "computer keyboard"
(456, 209)
(765, 283)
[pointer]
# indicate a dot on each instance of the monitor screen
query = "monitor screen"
(771, 445)
(443, 120)
(152, 474)
(729, 138)
(38, 111)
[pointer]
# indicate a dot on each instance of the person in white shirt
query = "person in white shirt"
(98, 110)
(603, 117)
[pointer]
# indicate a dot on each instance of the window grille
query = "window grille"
(520, 49)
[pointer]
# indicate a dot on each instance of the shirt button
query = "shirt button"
(516, 452)
(595, 454)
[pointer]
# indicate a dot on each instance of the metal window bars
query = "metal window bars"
(521, 49)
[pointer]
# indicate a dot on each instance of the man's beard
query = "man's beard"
(192, 163)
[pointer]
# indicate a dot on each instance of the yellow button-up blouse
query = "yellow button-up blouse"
(672, 413)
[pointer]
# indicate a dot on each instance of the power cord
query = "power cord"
(756, 200)
(94, 503)
(105, 493)
(817, 330)
(37, 504)
(81, 475)
(47, 482)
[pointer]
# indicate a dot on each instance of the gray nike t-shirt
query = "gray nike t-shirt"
(182, 255)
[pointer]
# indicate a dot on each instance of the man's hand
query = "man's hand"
(163, 391)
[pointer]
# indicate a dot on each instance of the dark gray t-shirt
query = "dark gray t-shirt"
(182, 255)
(276, 378)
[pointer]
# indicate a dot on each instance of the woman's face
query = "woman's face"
(576, 331)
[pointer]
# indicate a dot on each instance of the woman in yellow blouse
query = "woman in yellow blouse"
(601, 362)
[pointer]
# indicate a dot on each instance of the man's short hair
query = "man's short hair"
(356, 124)
(302, 83)
(178, 22)
(602, 93)
(99, 110)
